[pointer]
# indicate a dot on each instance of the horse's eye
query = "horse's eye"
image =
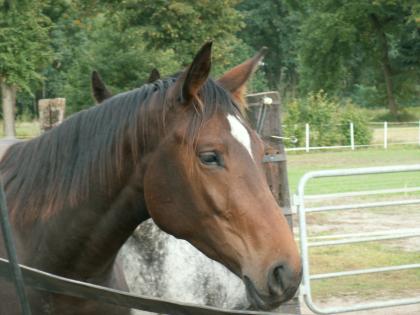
(210, 158)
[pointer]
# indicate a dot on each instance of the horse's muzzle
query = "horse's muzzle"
(282, 286)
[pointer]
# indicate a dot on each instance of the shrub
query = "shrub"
(362, 133)
(329, 122)
(293, 125)
(320, 113)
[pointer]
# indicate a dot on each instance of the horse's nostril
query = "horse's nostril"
(278, 276)
(281, 280)
(282, 283)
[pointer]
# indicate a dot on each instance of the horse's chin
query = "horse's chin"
(265, 302)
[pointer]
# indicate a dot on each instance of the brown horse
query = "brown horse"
(177, 150)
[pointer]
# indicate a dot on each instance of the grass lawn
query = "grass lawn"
(396, 134)
(300, 163)
(368, 255)
(24, 129)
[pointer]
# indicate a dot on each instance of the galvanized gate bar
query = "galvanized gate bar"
(362, 193)
(363, 271)
(364, 234)
(357, 171)
(365, 205)
(11, 252)
(363, 239)
(300, 203)
(48, 282)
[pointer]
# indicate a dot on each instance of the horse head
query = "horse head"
(205, 183)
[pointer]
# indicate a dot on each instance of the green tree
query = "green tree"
(274, 24)
(24, 48)
(121, 58)
(68, 73)
(184, 25)
(95, 40)
(125, 40)
(346, 43)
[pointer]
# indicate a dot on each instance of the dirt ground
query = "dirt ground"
(361, 221)
(402, 310)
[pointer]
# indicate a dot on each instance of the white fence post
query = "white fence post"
(307, 137)
(352, 135)
(419, 132)
(385, 135)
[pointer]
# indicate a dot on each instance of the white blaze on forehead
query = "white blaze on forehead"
(240, 133)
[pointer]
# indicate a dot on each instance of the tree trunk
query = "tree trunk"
(392, 105)
(385, 64)
(8, 93)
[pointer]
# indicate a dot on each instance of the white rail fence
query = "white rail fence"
(385, 134)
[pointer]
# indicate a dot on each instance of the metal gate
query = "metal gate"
(353, 238)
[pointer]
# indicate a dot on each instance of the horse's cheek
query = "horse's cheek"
(162, 195)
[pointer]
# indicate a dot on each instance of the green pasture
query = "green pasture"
(396, 133)
(300, 163)
(24, 129)
(368, 255)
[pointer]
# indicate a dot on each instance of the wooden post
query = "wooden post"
(51, 112)
(276, 171)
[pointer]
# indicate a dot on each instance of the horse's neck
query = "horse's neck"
(82, 242)
(82, 234)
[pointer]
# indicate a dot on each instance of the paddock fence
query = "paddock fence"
(344, 202)
(384, 135)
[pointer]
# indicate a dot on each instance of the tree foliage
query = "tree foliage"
(24, 42)
(348, 44)
(274, 24)
(124, 42)
(368, 51)
(183, 25)
(328, 121)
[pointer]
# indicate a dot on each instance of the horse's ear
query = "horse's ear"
(154, 75)
(197, 73)
(235, 79)
(99, 89)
